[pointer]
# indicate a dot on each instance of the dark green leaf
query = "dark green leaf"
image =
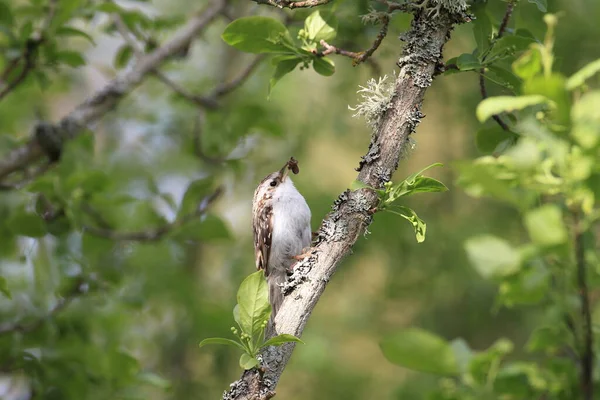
(284, 67)
(324, 66)
(25, 224)
(281, 339)
(69, 31)
(218, 340)
(3, 283)
(123, 56)
(487, 139)
(482, 28)
(467, 62)
(509, 45)
(420, 350)
(248, 362)
(6, 16)
(258, 34)
(320, 26)
(71, 58)
(196, 191)
(503, 77)
(254, 307)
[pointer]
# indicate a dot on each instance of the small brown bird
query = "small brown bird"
(281, 224)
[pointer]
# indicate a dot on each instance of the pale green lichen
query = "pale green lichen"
(376, 100)
(373, 16)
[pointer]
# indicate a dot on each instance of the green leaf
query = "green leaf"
(553, 87)
(324, 66)
(71, 58)
(6, 16)
(509, 45)
(209, 227)
(253, 300)
(492, 256)
(586, 120)
(499, 104)
(546, 226)
(154, 380)
(25, 224)
(487, 139)
(467, 62)
(258, 34)
(4, 287)
(69, 31)
(418, 224)
(420, 350)
(283, 68)
(123, 56)
(196, 191)
(578, 78)
(248, 362)
(529, 64)
(482, 28)
(542, 5)
(218, 340)
(320, 26)
(503, 77)
(281, 339)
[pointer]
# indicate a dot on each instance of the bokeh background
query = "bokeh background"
(137, 332)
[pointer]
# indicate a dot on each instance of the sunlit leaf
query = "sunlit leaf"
(546, 226)
(418, 224)
(253, 300)
(247, 361)
(579, 77)
(4, 287)
(492, 256)
(320, 26)
(227, 342)
(499, 104)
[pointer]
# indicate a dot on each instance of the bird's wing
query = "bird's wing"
(263, 233)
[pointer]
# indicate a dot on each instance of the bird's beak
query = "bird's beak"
(283, 172)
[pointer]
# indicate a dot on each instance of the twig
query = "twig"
(29, 177)
(158, 233)
(293, 4)
(108, 97)
(362, 56)
(587, 358)
(501, 30)
(78, 289)
(201, 101)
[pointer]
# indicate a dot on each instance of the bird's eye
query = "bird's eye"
(273, 183)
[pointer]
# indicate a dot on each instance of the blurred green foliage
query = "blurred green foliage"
(90, 310)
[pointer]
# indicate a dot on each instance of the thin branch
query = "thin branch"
(158, 233)
(107, 98)
(30, 176)
(28, 56)
(352, 213)
(587, 358)
(78, 289)
(362, 56)
(504, 24)
(293, 4)
(201, 101)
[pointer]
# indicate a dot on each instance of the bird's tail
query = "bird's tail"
(275, 279)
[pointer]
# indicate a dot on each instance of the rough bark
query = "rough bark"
(48, 139)
(353, 210)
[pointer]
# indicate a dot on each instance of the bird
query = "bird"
(281, 226)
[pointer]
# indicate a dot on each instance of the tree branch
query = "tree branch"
(587, 356)
(152, 235)
(293, 4)
(107, 98)
(352, 211)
